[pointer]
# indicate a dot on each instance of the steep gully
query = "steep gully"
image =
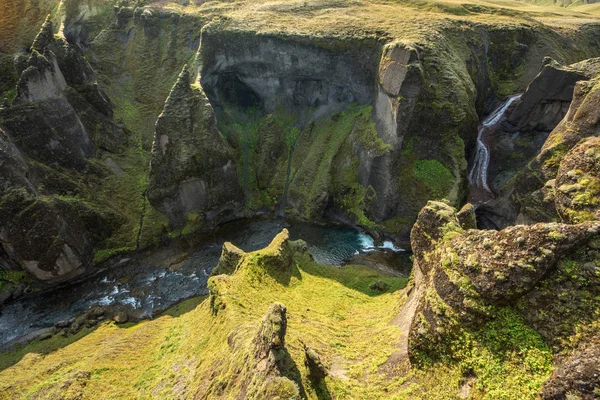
(478, 175)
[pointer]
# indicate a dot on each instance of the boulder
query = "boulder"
(466, 217)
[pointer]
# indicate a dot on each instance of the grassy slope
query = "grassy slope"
(191, 352)
(349, 324)
(408, 20)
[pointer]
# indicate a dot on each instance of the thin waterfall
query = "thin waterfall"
(479, 171)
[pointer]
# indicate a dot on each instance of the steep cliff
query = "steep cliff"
(530, 195)
(58, 119)
(323, 117)
(192, 169)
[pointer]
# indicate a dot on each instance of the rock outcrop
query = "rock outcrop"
(273, 360)
(547, 98)
(269, 370)
(577, 376)
(529, 196)
(192, 168)
(466, 274)
(56, 117)
(47, 238)
(577, 185)
(539, 110)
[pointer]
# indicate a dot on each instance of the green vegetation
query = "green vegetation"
(344, 314)
(256, 139)
(505, 360)
(435, 176)
(8, 279)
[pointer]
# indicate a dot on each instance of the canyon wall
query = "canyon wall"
(360, 129)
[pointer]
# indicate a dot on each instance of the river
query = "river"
(150, 282)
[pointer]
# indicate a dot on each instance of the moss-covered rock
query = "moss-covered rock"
(192, 168)
(49, 238)
(466, 276)
(577, 375)
(231, 257)
(577, 184)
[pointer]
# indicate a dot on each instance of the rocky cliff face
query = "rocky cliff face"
(359, 127)
(544, 273)
(466, 278)
(540, 109)
(58, 119)
(530, 195)
(393, 169)
(192, 168)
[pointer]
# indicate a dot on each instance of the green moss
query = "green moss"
(435, 176)
(8, 279)
(507, 360)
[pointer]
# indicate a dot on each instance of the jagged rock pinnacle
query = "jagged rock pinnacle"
(44, 37)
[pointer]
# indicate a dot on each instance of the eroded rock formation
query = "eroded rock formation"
(55, 118)
(192, 168)
(465, 274)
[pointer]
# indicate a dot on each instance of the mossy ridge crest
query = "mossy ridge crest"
(213, 353)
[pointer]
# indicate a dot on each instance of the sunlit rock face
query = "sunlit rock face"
(465, 274)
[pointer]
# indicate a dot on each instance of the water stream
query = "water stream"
(149, 283)
(478, 176)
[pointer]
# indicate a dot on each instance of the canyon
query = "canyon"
(299, 199)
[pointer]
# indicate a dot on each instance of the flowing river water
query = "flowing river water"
(478, 175)
(149, 283)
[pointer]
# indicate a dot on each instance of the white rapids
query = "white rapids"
(479, 171)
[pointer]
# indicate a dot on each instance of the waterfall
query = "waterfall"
(478, 174)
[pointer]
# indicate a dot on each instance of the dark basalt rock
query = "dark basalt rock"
(529, 196)
(49, 131)
(46, 238)
(546, 100)
(577, 376)
(57, 114)
(539, 110)
(192, 168)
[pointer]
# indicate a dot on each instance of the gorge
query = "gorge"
(258, 199)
